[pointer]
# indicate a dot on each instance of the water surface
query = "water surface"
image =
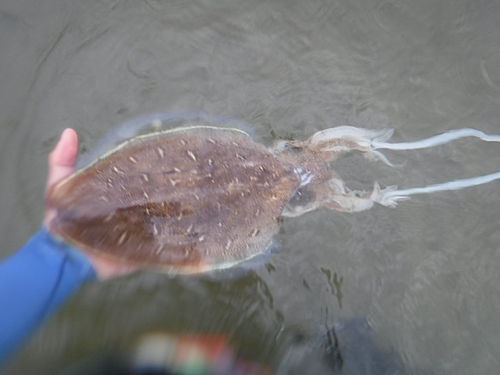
(424, 275)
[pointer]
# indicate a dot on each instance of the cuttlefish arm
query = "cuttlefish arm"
(346, 138)
(328, 190)
(333, 142)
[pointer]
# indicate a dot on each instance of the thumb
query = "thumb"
(63, 158)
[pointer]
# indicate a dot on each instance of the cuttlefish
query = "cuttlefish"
(201, 196)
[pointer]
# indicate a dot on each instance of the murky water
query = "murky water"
(424, 275)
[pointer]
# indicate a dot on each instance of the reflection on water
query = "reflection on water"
(424, 276)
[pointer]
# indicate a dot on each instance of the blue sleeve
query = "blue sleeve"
(35, 282)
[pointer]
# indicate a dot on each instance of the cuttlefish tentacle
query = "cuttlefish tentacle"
(370, 141)
(436, 140)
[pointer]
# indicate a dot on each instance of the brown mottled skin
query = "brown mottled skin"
(190, 201)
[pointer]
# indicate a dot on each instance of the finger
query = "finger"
(107, 268)
(63, 158)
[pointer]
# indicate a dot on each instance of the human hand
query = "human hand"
(62, 162)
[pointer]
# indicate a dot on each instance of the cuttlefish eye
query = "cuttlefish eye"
(283, 146)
